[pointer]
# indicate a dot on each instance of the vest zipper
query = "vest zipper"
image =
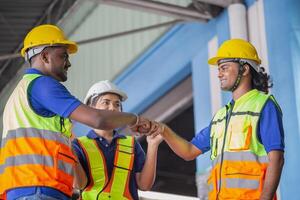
(228, 115)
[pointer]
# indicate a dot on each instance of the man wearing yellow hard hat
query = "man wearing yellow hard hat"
(246, 136)
(36, 160)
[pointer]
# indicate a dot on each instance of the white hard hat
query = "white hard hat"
(104, 87)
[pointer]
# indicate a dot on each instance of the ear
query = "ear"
(44, 56)
(246, 70)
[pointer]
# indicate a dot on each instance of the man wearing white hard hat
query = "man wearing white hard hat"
(115, 164)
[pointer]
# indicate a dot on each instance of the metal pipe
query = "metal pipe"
(167, 7)
(127, 32)
(9, 56)
(81, 42)
(221, 3)
(21, 44)
(160, 8)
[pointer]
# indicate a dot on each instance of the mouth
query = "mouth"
(66, 68)
(222, 81)
(65, 71)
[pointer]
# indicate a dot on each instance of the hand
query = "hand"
(156, 128)
(142, 126)
(154, 140)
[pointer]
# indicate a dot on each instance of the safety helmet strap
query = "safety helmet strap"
(238, 78)
(240, 72)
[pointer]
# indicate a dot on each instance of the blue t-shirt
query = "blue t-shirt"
(47, 97)
(270, 130)
(108, 150)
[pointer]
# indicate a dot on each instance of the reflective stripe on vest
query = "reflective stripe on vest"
(118, 186)
(239, 159)
(97, 167)
(240, 156)
(35, 150)
(241, 183)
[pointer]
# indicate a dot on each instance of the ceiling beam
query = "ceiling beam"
(161, 8)
(222, 3)
(16, 54)
(105, 37)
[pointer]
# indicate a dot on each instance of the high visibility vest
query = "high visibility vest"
(35, 150)
(101, 187)
(239, 159)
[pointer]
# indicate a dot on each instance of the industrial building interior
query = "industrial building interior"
(121, 39)
(18, 17)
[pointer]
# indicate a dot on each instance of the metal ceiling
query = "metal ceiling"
(17, 17)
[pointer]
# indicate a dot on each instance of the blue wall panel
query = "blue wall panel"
(280, 36)
(202, 101)
(164, 65)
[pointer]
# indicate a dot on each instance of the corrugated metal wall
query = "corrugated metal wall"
(105, 59)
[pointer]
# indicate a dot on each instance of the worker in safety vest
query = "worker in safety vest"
(114, 163)
(246, 136)
(36, 160)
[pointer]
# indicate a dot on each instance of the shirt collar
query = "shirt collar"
(33, 71)
(92, 135)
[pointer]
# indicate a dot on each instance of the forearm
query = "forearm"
(147, 176)
(80, 179)
(102, 119)
(114, 120)
(273, 174)
(179, 145)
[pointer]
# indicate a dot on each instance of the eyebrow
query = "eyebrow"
(111, 100)
(222, 65)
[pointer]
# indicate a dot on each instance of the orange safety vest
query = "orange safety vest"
(239, 159)
(100, 186)
(35, 150)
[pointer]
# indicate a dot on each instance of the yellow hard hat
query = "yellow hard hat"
(235, 48)
(47, 35)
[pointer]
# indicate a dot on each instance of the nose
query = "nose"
(220, 74)
(68, 63)
(112, 107)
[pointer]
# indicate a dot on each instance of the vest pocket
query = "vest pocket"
(240, 136)
(243, 169)
(64, 166)
(242, 181)
(216, 143)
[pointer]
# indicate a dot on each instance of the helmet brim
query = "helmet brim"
(215, 60)
(72, 46)
(122, 95)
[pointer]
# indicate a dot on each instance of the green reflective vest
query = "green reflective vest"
(239, 159)
(100, 186)
(35, 150)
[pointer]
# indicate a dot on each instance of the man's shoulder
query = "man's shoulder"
(272, 105)
(47, 80)
(46, 84)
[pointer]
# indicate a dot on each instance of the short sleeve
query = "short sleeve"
(202, 139)
(48, 97)
(271, 133)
